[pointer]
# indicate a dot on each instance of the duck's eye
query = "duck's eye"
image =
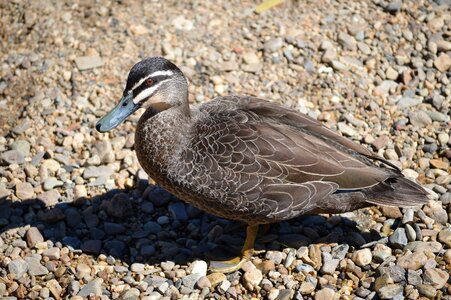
(149, 82)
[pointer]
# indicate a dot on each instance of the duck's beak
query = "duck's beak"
(115, 117)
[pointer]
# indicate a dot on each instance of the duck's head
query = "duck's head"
(153, 83)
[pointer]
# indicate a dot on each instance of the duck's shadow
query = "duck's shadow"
(149, 225)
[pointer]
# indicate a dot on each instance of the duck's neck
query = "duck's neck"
(159, 136)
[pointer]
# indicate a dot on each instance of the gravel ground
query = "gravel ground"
(78, 217)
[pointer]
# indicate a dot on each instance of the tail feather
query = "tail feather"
(397, 191)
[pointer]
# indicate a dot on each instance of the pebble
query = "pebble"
(398, 239)
(436, 277)
(137, 267)
(18, 267)
(252, 278)
(24, 191)
(88, 62)
(325, 294)
(273, 45)
(35, 268)
(420, 119)
(442, 62)
(199, 267)
(12, 157)
(362, 257)
(412, 261)
(406, 102)
(93, 287)
(346, 129)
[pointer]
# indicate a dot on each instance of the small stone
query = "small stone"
(138, 29)
(251, 58)
(266, 266)
(436, 277)
(24, 190)
(35, 268)
(274, 256)
(49, 198)
(420, 119)
(82, 271)
(252, 278)
(406, 102)
(419, 246)
(394, 6)
(443, 62)
(130, 294)
(148, 250)
(443, 45)
(199, 267)
(105, 152)
(182, 23)
(427, 290)
(95, 172)
(93, 287)
(203, 282)
(347, 42)
(33, 236)
(137, 267)
(439, 164)
(55, 288)
(398, 239)
(92, 246)
(362, 257)
(51, 182)
(178, 211)
(52, 253)
(381, 252)
(273, 45)
(18, 267)
(391, 212)
(435, 211)
(445, 237)
(346, 129)
(22, 146)
(380, 142)
(190, 280)
(224, 286)
(410, 232)
(120, 206)
(325, 294)
(167, 265)
(12, 157)
(329, 55)
(329, 264)
(88, 62)
(391, 73)
(412, 261)
(391, 291)
(306, 288)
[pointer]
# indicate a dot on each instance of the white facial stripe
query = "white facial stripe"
(147, 92)
(154, 74)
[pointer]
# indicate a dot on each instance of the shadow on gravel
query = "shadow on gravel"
(150, 225)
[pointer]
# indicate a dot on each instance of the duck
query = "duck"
(248, 159)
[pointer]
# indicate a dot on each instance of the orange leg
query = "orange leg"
(236, 263)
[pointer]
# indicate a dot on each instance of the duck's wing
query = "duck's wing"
(281, 159)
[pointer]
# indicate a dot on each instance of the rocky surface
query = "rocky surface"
(78, 217)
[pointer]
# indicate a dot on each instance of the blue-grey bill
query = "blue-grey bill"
(115, 117)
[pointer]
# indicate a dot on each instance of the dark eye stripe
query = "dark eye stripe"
(144, 86)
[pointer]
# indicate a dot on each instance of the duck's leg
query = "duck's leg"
(235, 264)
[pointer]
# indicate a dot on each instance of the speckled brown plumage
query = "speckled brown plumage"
(247, 159)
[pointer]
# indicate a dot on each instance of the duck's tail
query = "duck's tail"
(397, 191)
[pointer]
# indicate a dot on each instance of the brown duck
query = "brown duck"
(247, 159)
